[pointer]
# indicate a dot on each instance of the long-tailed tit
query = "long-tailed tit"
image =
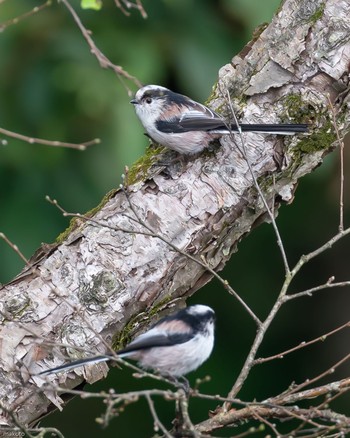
(186, 126)
(174, 346)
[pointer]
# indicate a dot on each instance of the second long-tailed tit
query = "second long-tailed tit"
(179, 123)
(174, 346)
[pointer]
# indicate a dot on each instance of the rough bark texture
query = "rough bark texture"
(100, 278)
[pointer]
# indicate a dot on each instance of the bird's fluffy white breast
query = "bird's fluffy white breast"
(178, 360)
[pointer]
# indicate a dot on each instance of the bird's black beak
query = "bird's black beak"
(134, 101)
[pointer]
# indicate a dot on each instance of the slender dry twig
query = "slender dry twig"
(256, 184)
(306, 258)
(301, 345)
(140, 7)
(330, 370)
(157, 423)
(341, 150)
(54, 143)
(129, 5)
(102, 59)
(305, 420)
(249, 362)
(289, 397)
(16, 20)
(251, 431)
(268, 423)
(308, 292)
(14, 247)
(185, 422)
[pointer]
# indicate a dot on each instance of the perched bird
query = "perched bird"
(174, 346)
(179, 123)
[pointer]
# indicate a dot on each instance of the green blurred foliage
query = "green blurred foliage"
(52, 87)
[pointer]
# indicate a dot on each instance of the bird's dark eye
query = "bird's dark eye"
(148, 99)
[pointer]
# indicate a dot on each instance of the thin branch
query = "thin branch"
(251, 431)
(184, 422)
(16, 20)
(330, 370)
(256, 184)
(249, 362)
(294, 397)
(308, 292)
(306, 258)
(157, 423)
(140, 7)
(14, 247)
(54, 143)
(341, 150)
(129, 5)
(102, 59)
(268, 423)
(301, 345)
(305, 420)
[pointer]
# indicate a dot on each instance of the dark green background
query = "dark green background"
(52, 87)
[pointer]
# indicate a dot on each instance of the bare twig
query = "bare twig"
(301, 345)
(16, 20)
(102, 59)
(129, 5)
(330, 370)
(294, 397)
(306, 258)
(249, 362)
(308, 292)
(140, 7)
(341, 150)
(257, 416)
(157, 423)
(251, 431)
(263, 199)
(14, 247)
(54, 143)
(185, 423)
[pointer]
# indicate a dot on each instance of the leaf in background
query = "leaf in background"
(91, 4)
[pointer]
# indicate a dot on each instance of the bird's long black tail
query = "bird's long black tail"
(273, 128)
(76, 364)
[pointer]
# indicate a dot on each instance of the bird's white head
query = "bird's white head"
(149, 102)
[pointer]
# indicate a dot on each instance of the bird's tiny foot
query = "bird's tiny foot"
(182, 383)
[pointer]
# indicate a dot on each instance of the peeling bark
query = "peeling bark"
(106, 273)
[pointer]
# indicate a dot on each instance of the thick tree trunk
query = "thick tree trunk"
(110, 272)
